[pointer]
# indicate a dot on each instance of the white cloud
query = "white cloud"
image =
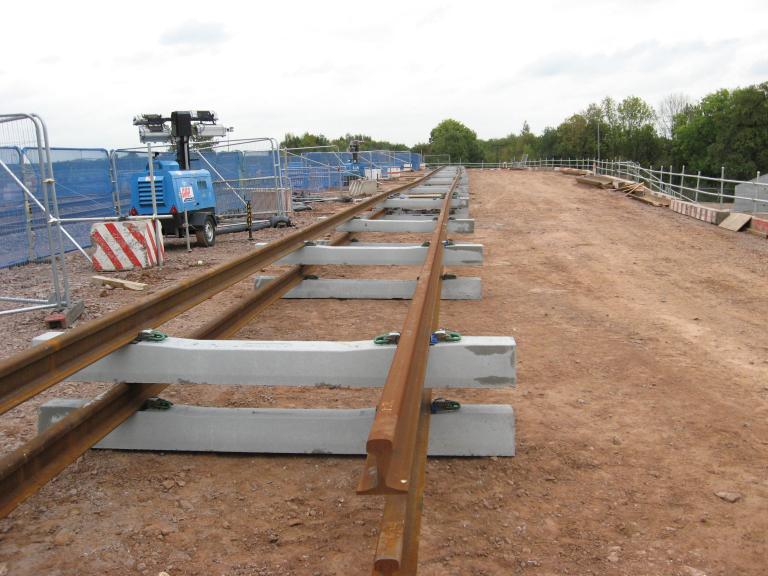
(195, 34)
(392, 70)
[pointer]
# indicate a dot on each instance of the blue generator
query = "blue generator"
(177, 191)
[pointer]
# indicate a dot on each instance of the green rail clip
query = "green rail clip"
(443, 405)
(388, 338)
(151, 336)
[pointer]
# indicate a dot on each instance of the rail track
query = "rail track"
(397, 444)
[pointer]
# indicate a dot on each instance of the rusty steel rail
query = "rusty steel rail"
(34, 370)
(391, 441)
(27, 469)
(397, 444)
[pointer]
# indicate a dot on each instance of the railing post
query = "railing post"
(754, 194)
(662, 188)
(650, 178)
(698, 181)
(27, 207)
(682, 183)
(722, 184)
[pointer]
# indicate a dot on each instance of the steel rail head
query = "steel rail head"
(34, 370)
(397, 549)
(392, 439)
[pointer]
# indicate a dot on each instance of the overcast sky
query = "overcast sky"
(389, 69)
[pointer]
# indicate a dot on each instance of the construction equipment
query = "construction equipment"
(173, 187)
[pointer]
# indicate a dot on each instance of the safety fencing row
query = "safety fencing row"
(318, 171)
(96, 182)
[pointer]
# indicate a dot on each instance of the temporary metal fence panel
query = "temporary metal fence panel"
(31, 227)
(317, 171)
(262, 181)
(252, 176)
(83, 189)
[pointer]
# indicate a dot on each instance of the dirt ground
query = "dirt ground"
(643, 391)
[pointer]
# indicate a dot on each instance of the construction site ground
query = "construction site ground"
(643, 392)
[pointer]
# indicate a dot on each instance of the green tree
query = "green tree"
(304, 141)
(574, 139)
(547, 143)
(637, 138)
(454, 138)
(727, 128)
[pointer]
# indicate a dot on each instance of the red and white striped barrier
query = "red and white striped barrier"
(711, 215)
(126, 245)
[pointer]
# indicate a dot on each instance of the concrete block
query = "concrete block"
(707, 214)
(473, 362)
(356, 289)
(421, 203)
(382, 255)
(437, 189)
(474, 430)
(463, 226)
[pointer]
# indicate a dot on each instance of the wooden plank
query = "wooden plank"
(118, 283)
(575, 171)
(593, 181)
(735, 221)
(658, 202)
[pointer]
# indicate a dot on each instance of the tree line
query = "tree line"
(726, 128)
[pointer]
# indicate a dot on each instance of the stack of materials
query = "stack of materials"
(600, 181)
(638, 191)
(575, 171)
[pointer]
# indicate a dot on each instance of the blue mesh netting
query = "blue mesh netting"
(14, 240)
(126, 164)
(226, 171)
(90, 183)
(83, 189)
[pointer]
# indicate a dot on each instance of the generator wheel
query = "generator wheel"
(278, 221)
(206, 234)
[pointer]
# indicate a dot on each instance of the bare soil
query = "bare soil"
(643, 391)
